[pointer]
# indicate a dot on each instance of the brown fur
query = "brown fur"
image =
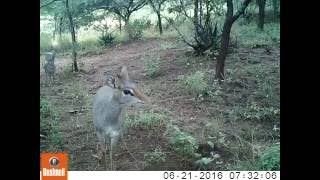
(140, 95)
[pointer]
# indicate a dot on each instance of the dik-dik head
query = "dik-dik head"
(50, 57)
(131, 94)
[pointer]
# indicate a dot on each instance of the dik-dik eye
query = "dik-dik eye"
(128, 92)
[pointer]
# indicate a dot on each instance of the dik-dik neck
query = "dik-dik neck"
(116, 98)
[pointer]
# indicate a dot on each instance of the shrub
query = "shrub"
(155, 156)
(106, 39)
(183, 143)
(136, 28)
(195, 83)
(270, 159)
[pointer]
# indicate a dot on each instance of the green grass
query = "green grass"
(165, 45)
(45, 42)
(183, 143)
(270, 159)
(195, 83)
(47, 110)
(250, 36)
(77, 94)
(155, 156)
(256, 112)
(87, 42)
(152, 65)
(146, 119)
(247, 149)
(66, 72)
(205, 163)
(52, 140)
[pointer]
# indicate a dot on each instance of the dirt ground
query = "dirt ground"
(75, 121)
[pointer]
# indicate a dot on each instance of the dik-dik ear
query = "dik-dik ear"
(123, 75)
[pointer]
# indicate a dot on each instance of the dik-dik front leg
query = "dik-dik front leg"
(102, 149)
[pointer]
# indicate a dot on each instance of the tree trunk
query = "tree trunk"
(208, 13)
(60, 27)
(120, 25)
(55, 28)
(195, 11)
(201, 12)
(159, 22)
(73, 37)
(261, 4)
(223, 48)
(127, 25)
(127, 28)
(275, 8)
(230, 19)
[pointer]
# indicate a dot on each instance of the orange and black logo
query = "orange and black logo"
(54, 166)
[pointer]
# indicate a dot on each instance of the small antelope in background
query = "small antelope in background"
(108, 109)
(49, 67)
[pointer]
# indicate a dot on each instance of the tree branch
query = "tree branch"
(184, 10)
(241, 10)
(183, 39)
(139, 5)
(152, 5)
(44, 5)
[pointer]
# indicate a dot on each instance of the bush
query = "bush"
(195, 83)
(270, 159)
(183, 143)
(155, 156)
(106, 39)
(204, 163)
(136, 28)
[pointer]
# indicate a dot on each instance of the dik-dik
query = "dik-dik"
(50, 67)
(108, 110)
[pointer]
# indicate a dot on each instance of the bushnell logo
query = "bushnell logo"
(54, 166)
(54, 161)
